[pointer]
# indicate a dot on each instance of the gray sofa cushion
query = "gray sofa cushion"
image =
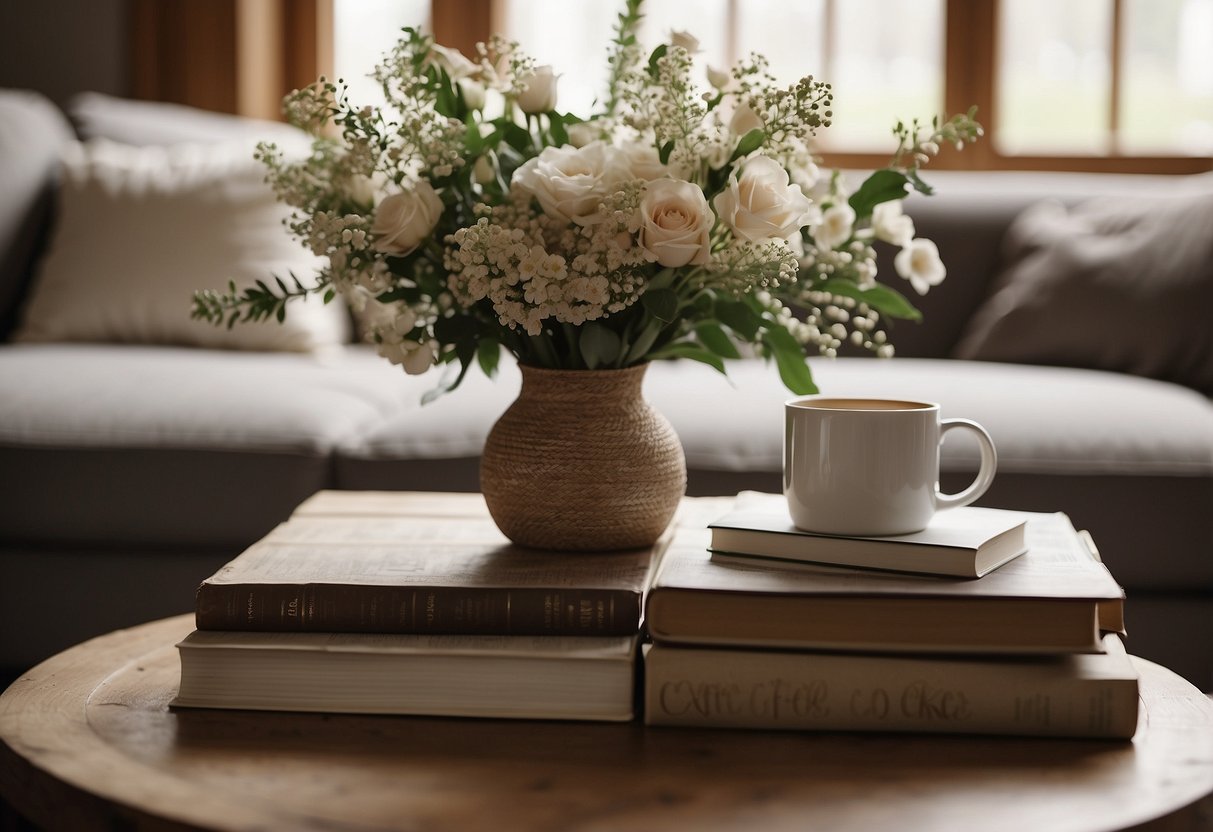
(152, 446)
(1111, 285)
(32, 134)
(972, 249)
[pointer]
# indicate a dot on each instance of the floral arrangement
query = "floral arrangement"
(678, 220)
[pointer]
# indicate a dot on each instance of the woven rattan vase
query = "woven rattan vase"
(581, 462)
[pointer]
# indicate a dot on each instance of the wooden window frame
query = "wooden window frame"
(253, 52)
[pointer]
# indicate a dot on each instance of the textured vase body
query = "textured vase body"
(580, 461)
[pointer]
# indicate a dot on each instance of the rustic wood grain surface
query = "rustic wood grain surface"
(87, 741)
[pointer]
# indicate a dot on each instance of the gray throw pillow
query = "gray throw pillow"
(1111, 284)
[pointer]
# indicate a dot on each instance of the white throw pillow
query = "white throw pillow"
(141, 228)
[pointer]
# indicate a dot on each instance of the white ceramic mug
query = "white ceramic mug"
(871, 466)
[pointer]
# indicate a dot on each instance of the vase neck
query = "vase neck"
(578, 385)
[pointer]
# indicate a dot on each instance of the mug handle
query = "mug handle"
(985, 474)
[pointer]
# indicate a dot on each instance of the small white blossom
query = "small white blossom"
(891, 224)
(837, 224)
(919, 263)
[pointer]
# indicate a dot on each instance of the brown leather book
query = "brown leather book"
(1057, 597)
(387, 562)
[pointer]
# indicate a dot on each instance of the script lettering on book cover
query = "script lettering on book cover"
(777, 699)
(683, 697)
(922, 701)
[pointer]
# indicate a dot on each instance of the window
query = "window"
(363, 31)
(884, 60)
(1115, 85)
(1103, 77)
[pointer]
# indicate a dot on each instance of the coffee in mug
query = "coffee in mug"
(856, 466)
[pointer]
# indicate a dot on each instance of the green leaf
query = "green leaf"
(472, 139)
(662, 304)
(559, 135)
(408, 294)
(643, 343)
(738, 316)
(599, 346)
(657, 55)
(457, 330)
(447, 102)
(790, 360)
(882, 186)
(517, 138)
(691, 351)
(488, 353)
(663, 153)
(884, 299)
(329, 294)
(716, 339)
(920, 186)
(750, 142)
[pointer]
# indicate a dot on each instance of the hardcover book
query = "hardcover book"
(1074, 695)
(539, 677)
(1055, 598)
(965, 542)
(398, 562)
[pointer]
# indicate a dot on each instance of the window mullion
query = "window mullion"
(1116, 67)
(970, 56)
(461, 24)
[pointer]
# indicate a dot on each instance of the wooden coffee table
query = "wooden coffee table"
(88, 742)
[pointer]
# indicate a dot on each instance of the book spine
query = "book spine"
(429, 610)
(725, 689)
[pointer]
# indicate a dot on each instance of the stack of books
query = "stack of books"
(398, 603)
(988, 622)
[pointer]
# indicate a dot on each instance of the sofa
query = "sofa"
(132, 467)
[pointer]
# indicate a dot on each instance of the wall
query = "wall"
(61, 47)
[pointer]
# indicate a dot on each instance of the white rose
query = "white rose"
(676, 223)
(404, 219)
(744, 120)
(837, 225)
(684, 39)
(571, 182)
(760, 202)
(643, 161)
(919, 263)
(891, 225)
(452, 61)
(540, 93)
